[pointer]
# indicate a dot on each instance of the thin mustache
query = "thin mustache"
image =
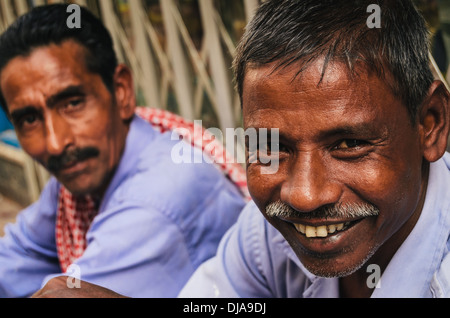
(335, 211)
(56, 163)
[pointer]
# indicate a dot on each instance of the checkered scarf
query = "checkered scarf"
(75, 213)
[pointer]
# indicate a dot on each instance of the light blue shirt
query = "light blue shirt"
(157, 222)
(254, 260)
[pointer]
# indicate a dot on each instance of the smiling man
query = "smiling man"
(118, 208)
(363, 179)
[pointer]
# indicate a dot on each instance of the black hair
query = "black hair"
(45, 25)
(300, 31)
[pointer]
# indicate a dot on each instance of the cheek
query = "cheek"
(386, 182)
(394, 189)
(94, 129)
(264, 188)
(34, 146)
(107, 137)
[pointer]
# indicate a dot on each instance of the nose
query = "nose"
(58, 134)
(310, 184)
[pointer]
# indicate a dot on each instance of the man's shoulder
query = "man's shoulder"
(158, 178)
(160, 163)
(178, 165)
(440, 284)
(446, 159)
(50, 194)
(256, 233)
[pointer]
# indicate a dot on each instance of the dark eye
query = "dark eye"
(27, 122)
(74, 102)
(350, 143)
(73, 105)
(29, 119)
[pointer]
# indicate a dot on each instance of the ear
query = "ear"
(434, 121)
(124, 92)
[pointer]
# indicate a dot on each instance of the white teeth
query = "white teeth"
(300, 228)
(331, 228)
(310, 231)
(320, 231)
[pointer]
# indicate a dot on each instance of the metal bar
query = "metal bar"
(182, 82)
(436, 72)
(217, 65)
(225, 35)
(8, 13)
(108, 14)
(3, 25)
(250, 8)
(163, 60)
(150, 85)
(82, 3)
(196, 59)
(21, 6)
(38, 3)
(122, 42)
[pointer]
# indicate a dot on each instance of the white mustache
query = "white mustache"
(335, 211)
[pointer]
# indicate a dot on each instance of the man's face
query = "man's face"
(344, 145)
(64, 116)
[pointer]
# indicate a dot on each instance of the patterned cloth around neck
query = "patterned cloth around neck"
(76, 213)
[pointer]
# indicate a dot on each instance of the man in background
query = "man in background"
(118, 211)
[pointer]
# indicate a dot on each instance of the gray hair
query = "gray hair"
(301, 31)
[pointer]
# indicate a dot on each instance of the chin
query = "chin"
(81, 187)
(80, 191)
(334, 271)
(334, 267)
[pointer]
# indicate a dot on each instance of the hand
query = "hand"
(58, 288)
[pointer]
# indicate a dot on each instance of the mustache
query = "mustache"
(333, 211)
(56, 163)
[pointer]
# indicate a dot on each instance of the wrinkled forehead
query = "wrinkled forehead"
(317, 77)
(324, 68)
(49, 71)
(271, 93)
(48, 59)
(46, 56)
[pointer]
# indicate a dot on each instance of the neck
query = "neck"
(355, 285)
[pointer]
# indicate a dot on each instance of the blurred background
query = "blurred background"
(180, 52)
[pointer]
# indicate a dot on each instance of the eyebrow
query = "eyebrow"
(347, 131)
(357, 130)
(70, 91)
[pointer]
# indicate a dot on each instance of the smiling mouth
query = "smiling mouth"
(323, 231)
